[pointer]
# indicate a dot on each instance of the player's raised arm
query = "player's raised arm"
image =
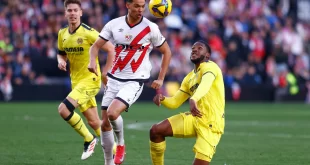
(171, 102)
(109, 48)
(177, 99)
(93, 54)
(165, 50)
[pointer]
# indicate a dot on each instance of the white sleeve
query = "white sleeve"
(106, 32)
(157, 38)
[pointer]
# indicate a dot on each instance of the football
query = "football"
(160, 8)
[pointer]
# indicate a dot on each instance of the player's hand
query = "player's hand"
(157, 84)
(92, 67)
(193, 108)
(104, 79)
(158, 98)
(62, 65)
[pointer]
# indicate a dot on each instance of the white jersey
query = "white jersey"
(133, 45)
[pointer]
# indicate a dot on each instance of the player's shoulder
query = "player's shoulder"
(63, 29)
(87, 28)
(210, 64)
(117, 21)
(149, 23)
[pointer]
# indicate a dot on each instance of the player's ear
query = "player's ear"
(127, 5)
(208, 55)
(81, 12)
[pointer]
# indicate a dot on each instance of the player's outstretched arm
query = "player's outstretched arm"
(62, 62)
(93, 54)
(171, 102)
(109, 48)
(165, 50)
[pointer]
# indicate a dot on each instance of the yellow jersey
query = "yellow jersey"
(76, 47)
(205, 85)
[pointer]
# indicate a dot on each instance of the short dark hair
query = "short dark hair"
(67, 2)
(206, 45)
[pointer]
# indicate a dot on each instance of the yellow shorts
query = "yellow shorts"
(84, 94)
(184, 125)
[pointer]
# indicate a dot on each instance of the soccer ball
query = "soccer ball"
(160, 8)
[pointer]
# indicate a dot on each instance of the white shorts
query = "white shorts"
(127, 92)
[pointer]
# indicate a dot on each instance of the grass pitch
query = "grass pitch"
(255, 134)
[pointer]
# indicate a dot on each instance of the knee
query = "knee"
(65, 108)
(155, 130)
(62, 109)
(112, 115)
(105, 125)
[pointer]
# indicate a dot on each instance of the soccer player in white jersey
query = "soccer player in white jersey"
(134, 36)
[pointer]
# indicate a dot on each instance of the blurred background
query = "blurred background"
(262, 46)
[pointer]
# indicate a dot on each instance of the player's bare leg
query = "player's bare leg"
(93, 119)
(200, 162)
(107, 138)
(66, 111)
(114, 114)
(158, 133)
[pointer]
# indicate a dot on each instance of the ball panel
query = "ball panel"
(160, 8)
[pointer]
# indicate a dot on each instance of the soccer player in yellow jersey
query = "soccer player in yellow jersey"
(74, 42)
(204, 88)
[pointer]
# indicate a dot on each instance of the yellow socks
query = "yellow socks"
(157, 152)
(77, 123)
(98, 132)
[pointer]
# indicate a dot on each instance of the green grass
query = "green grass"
(255, 134)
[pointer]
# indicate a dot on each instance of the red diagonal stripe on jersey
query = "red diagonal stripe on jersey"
(122, 63)
(143, 33)
(135, 65)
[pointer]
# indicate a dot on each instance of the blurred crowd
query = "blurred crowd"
(255, 42)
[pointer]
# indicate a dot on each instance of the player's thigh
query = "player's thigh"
(129, 92)
(182, 125)
(206, 143)
(110, 92)
(90, 104)
(90, 112)
(82, 93)
(116, 108)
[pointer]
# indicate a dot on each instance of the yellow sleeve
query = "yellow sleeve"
(179, 97)
(61, 50)
(92, 36)
(204, 86)
(176, 100)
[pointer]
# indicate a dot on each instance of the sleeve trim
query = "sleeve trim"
(103, 38)
(161, 44)
(185, 92)
(209, 72)
(61, 52)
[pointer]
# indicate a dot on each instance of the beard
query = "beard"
(198, 60)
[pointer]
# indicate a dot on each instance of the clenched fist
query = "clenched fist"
(158, 98)
(62, 65)
(92, 67)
